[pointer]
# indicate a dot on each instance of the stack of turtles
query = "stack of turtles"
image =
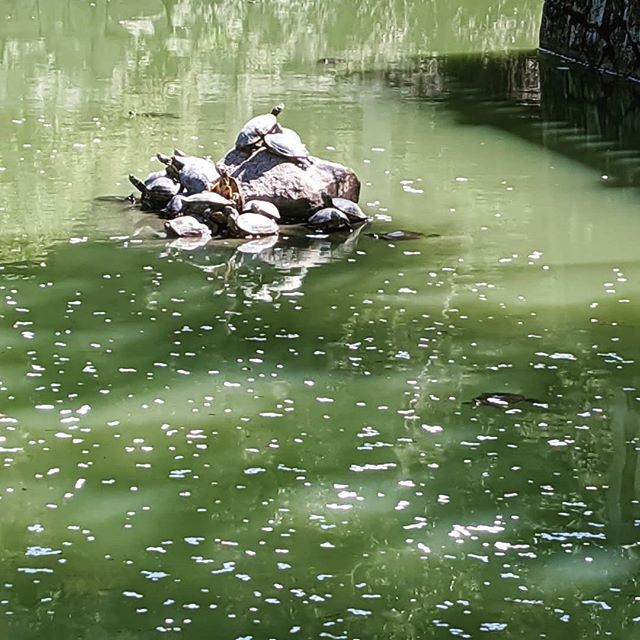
(200, 199)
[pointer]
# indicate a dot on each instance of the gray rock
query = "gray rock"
(295, 190)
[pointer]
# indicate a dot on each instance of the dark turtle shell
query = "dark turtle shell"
(156, 191)
(174, 207)
(287, 146)
(258, 127)
(399, 235)
(329, 219)
(194, 174)
(501, 400)
(348, 207)
(198, 203)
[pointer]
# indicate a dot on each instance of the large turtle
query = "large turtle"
(258, 127)
(194, 174)
(351, 209)
(329, 219)
(187, 227)
(262, 207)
(288, 145)
(252, 225)
(157, 190)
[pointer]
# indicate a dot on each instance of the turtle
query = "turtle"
(253, 225)
(288, 145)
(186, 227)
(229, 187)
(156, 190)
(200, 203)
(255, 129)
(350, 208)
(501, 400)
(194, 174)
(174, 207)
(330, 219)
(400, 234)
(262, 207)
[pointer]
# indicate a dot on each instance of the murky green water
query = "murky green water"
(211, 444)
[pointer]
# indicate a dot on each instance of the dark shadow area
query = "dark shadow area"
(588, 117)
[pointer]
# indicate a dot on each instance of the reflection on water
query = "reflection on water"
(281, 440)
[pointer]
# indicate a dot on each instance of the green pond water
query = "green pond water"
(210, 443)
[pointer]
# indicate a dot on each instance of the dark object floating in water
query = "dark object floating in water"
(152, 114)
(330, 61)
(502, 400)
(401, 234)
(117, 199)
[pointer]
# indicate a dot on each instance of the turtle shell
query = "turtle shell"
(262, 207)
(252, 224)
(350, 209)
(398, 235)
(286, 145)
(258, 127)
(156, 191)
(198, 203)
(186, 227)
(174, 207)
(329, 219)
(195, 174)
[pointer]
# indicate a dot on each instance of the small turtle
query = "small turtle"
(194, 174)
(329, 219)
(501, 400)
(200, 203)
(252, 225)
(229, 187)
(174, 207)
(350, 208)
(289, 146)
(262, 207)
(258, 127)
(186, 227)
(156, 191)
(401, 234)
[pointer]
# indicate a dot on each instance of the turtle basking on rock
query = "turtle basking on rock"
(253, 132)
(157, 190)
(351, 209)
(193, 173)
(328, 220)
(262, 207)
(251, 225)
(288, 145)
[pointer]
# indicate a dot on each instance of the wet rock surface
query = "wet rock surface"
(295, 189)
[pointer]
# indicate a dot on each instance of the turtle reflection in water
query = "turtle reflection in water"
(503, 400)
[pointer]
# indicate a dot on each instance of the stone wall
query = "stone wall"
(604, 34)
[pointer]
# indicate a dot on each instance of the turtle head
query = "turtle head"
(177, 162)
(164, 159)
(138, 184)
(278, 109)
(327, 201)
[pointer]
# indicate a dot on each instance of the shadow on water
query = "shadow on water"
(591, 118)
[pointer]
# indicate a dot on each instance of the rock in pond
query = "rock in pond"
(295, 190)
